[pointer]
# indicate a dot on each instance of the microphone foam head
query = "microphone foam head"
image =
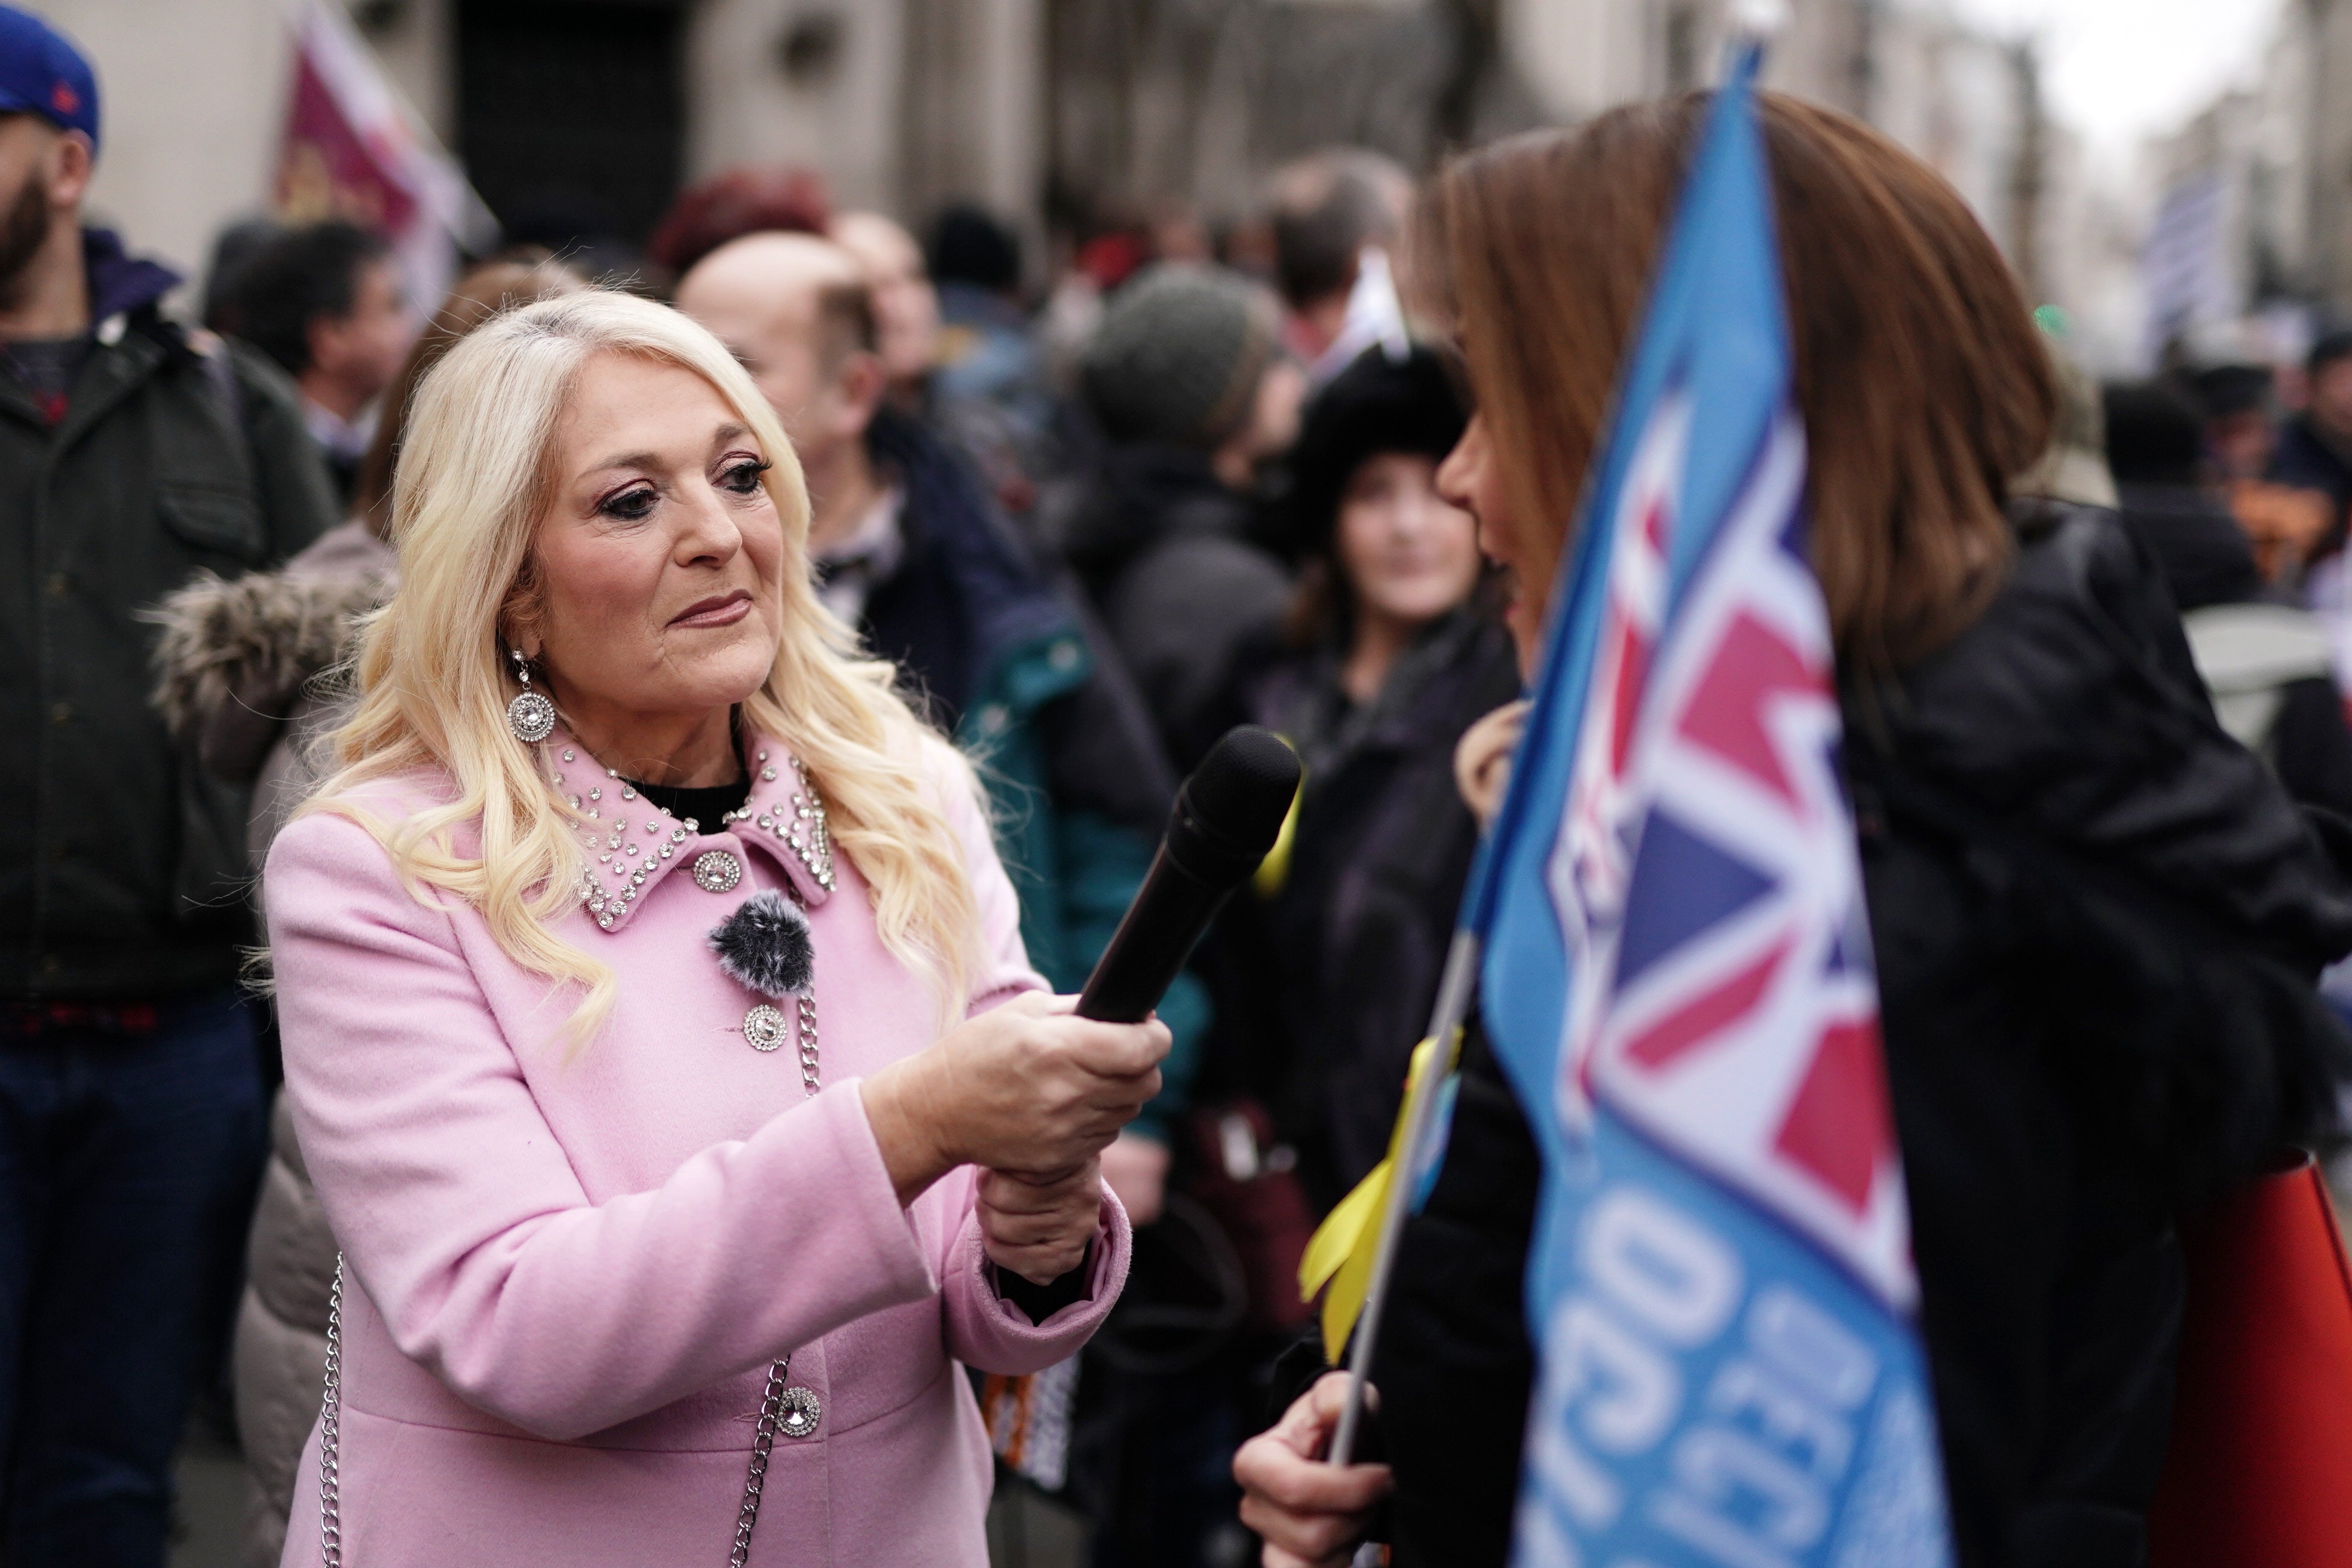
(1243, 788)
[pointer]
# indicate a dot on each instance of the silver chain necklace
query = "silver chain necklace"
(793, 1411)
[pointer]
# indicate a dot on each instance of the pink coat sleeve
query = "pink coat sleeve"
(463, 1219)
(985, 1330)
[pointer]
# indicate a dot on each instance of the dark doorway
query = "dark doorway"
(571, 114)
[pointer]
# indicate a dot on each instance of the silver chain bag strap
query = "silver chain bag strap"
(791, 1411)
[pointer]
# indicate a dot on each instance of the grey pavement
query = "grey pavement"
(210, 1517)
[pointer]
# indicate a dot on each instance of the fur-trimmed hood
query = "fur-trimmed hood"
(253, 643)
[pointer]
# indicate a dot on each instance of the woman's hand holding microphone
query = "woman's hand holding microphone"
(1031, 1092)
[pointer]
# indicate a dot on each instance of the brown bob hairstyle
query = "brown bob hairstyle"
(1924, 382)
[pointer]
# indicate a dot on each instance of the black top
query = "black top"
(49, 365)
(704, 807)
(1325, 983)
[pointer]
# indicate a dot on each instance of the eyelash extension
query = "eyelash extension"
(606, 508)
(733, 473)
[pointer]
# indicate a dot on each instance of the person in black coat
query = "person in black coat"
(2097, 918)
(1392, 651)
(1185, 387)
(2314, 446)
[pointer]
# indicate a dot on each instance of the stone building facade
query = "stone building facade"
(1049, 110)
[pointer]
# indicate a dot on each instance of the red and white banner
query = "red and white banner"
(355, 149)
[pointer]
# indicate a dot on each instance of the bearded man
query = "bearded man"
(133, 455)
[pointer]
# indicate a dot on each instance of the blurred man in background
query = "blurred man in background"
(910, 551)
(906, 306)
(132, 455)
(2315, 450)
(2238, 402)
(1005, 438)
(1337, 219)
(1185, 379)
(986, 348)
(325, 302)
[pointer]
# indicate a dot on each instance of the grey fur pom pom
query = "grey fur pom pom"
(764, 946)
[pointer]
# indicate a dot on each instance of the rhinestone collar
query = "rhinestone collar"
(631, 844)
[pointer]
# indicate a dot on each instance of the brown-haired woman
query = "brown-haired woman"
(2097, 918)
(240, 666)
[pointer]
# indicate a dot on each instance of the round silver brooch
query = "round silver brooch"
(764, 1027)
(801, 1412)
(531, 717)
(717, 871)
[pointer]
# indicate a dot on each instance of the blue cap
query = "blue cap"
(41, 73)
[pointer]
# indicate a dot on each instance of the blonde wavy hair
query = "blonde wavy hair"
(475, 475)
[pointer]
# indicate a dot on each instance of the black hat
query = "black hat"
(2156, 434)
(969, 246)
(2330, 347)
(2225, 390)
(1376, 405)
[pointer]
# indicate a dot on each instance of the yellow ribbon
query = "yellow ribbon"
(1340, 1252)
(1275, 870)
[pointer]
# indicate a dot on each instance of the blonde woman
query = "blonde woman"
(657, 1029)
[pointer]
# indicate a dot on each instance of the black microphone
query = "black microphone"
(1227, 816)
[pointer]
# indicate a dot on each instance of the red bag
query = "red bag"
(2259, 1470)
(1248, 1181)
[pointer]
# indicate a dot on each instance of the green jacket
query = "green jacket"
(126, 877)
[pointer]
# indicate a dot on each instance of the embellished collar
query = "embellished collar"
(631, 844)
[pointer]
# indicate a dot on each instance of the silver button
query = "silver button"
(763, 1028)
(717, 871)
(801, 1412)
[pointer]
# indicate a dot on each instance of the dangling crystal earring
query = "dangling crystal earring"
(531, 715)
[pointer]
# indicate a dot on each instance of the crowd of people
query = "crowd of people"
(1090, 525)
(1090, 537)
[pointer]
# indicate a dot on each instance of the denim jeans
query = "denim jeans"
(127, 1172)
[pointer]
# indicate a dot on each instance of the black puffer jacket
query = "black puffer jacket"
(2097, 919)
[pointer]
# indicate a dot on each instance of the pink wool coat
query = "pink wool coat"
(567, 1269)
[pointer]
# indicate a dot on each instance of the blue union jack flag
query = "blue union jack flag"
(1738, 1024)
(1677, 978)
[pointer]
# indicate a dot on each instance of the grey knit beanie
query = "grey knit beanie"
(1178, 356)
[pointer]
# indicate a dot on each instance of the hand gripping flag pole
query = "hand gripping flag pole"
(1395, 1196)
